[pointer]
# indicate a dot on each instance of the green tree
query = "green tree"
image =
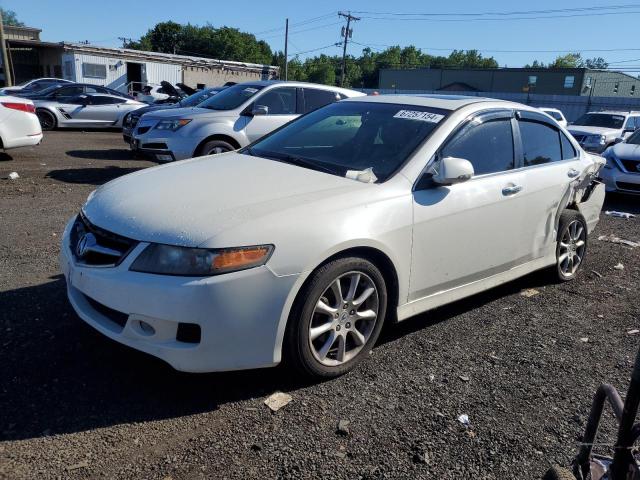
(9, 17)
(570, 60)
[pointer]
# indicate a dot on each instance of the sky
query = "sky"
(314, 25)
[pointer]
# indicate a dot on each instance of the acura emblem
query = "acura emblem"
(85, 244)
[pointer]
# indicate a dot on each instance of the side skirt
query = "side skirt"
(457, 293)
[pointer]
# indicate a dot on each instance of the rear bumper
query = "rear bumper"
(24, 141)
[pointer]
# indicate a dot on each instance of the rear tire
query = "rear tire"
(336, 318)
(214, 147)
(47, 119)
(571, 245)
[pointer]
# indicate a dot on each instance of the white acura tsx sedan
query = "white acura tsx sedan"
(301, 245)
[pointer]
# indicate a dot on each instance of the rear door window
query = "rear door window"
(315, 98)
(540, 143)
(487, 145)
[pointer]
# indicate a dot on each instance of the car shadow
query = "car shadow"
(59, 375)
(90, 176)
(5, 157)
(622, 202)
(110, 154)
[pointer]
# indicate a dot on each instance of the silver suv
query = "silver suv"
(597, 131)
(229, 120)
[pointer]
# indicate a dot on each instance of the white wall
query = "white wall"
(117, 70)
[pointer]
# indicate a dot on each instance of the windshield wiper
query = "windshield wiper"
(301, 162)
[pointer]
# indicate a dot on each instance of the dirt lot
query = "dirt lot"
(73, 404)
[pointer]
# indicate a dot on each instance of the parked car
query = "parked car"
(163, 93)
(32, 86)
(304, 243)
(19, 126)
(65, 91)
(597, 131)
(556, 114)
(131, 119)
(622, 171)
(239, 115)
(85, 111)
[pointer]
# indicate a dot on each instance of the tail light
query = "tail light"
(23, 107)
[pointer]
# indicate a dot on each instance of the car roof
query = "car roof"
(446, 102)
(266, 83)
(617, 112)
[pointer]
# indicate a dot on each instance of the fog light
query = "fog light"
(164, 158)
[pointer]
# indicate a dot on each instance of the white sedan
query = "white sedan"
(301, 245)
(19, 125)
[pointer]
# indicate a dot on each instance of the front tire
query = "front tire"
(47, 119)
(337, 317)
(571, 247)
(214, 147)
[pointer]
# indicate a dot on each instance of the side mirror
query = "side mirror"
(629, 130)
(260, 110)
(618, 140)
(84, 100)
(450, 170)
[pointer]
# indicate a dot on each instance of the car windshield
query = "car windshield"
(198, 97)
(553, 114)
(347, 138)
(634, 139)
(606, 120)
(231, 97)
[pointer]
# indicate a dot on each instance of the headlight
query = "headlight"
(595, 139)
(199, 262)
(611, 163)
(172, 125)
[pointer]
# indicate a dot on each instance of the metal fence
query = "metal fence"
(572, 106)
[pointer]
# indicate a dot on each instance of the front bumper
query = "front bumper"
(616, 180)
(238, 313)
(163, 148)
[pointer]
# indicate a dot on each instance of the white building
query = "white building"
(122, 69)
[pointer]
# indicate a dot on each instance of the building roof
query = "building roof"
(184, 60)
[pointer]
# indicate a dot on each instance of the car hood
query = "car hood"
(184, 111)
(586, 130)
(626, 151)
(192, 201)
(155, 108)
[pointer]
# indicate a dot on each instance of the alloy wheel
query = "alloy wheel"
(216, 150)
(572, 248)
(343, 319)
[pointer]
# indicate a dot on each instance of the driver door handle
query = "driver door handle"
(511, 190)
(573, 173)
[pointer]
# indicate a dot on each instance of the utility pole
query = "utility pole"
(346, 33)
(286, 49)
(5, 57)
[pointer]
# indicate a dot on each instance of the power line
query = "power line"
(337, 44)
(297, 24)
(305, 30)
(495, 13)
(489, 50)
(500, 19)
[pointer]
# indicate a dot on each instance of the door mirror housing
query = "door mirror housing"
(618, 140)
(450, 170)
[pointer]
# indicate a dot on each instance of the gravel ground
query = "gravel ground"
(76, 405)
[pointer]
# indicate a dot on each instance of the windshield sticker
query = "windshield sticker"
(250, 90)
(617, 117)
(416, 115)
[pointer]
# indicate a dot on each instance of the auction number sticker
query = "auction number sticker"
(422, 116)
